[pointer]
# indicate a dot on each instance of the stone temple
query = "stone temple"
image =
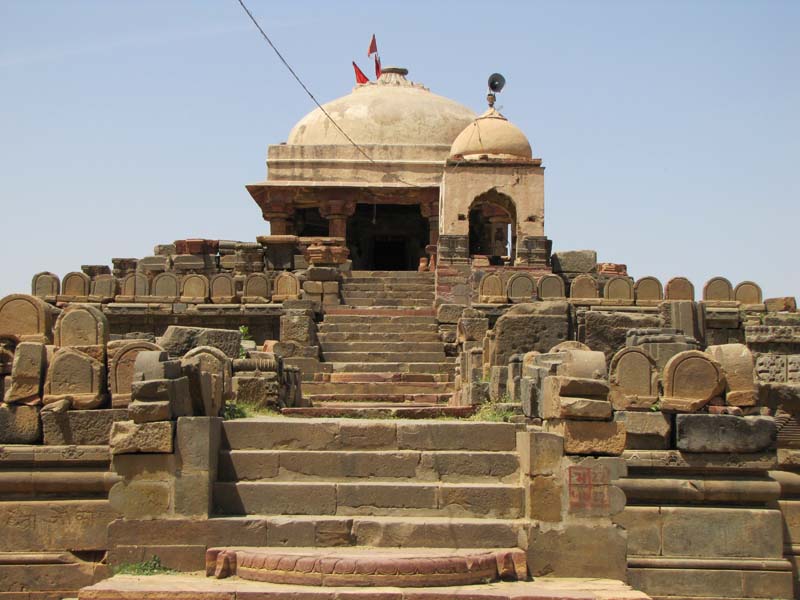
(401, 392)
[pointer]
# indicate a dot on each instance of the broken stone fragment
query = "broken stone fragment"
(449, 313)
(154, 364)
(738, 366)
(146, 412)
(178, 340)
(27, 373)
(575, 398)
(19, 424)
(724, 433)
(128, 437)
(76, 377)
(589, 437)
(691, 380)
(646, 430)
(575, 261)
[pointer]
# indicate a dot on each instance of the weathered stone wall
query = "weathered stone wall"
(54, 516)
(72, 399)
(699, 399)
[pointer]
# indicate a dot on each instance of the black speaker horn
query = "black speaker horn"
(496, 82)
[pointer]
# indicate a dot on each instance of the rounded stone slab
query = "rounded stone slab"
(367, 567)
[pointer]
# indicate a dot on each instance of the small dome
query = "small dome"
(390, 111)
(491, 135)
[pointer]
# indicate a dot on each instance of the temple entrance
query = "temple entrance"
(389, 254)
(387, 237)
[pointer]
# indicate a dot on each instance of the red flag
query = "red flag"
(360, 77)
(373, 46)
(377, 67)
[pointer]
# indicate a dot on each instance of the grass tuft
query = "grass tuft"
(497, 412)
(148, 567)
(244, 410)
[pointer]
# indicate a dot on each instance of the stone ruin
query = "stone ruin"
(442, 401)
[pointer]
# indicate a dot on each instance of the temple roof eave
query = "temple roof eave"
(311, 193)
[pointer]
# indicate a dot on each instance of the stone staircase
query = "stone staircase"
(441, 484)
(346, 508)
(389, 288)
(384, 350)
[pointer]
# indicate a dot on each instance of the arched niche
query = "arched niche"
(46, 285)
(551, 286)
(679, 288)
(648, 289)
(718, 289)
(492, 219)
(618, 288)
(748, 292)
(583, 287)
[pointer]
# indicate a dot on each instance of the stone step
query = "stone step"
(384, 357)
(381, 378)
(463, 466)
(385, 302)
(448, 367)
(40, 579)
(369, 336)
(360, 410)
(280, 433)
(387, 314)
(374, 326)
(388, 282)
(383, 346)
(432, 398)
(495, 500)
(391, 275)
(417, 295)
(388, 286)
(197, 587)
(368, 567)
(376, 387)
(369, 317)
(319, 531)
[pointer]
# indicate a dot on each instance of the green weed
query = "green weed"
(497, 412)
(148, 567)
(244, 410)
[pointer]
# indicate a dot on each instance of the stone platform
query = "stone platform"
(197, 587)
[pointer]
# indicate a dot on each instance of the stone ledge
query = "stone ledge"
(675, 459)
(185, 587)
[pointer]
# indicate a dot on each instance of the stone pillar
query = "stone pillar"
(337, 210)
(430, 210)
(337, 226)
(278, 211)
(279, 225)
(498, 241)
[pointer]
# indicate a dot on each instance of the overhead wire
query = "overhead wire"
(310, 95)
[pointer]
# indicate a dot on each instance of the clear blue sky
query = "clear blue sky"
(670, 130)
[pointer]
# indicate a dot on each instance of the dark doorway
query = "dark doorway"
(387, 237)
(389, 254)
(309, 223)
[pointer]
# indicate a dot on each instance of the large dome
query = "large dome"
(390, 111)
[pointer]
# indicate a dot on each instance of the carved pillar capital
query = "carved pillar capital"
(337, 208)
(430, 209)
(278, 211)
